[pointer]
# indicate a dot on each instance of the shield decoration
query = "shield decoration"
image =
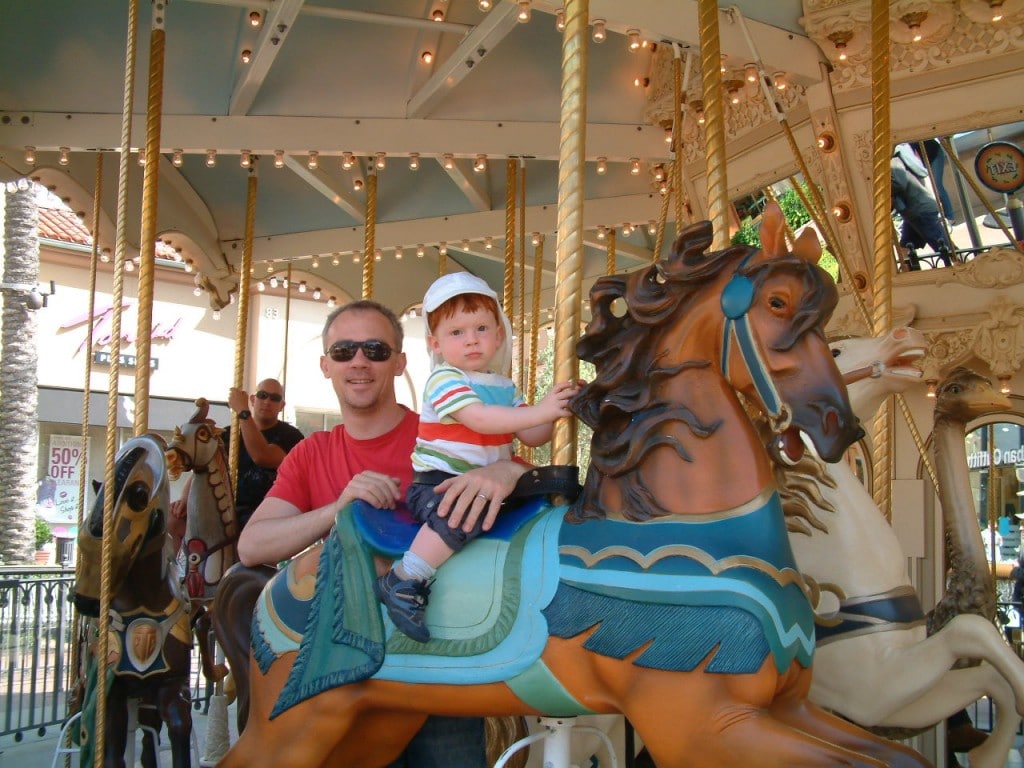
(143, 643)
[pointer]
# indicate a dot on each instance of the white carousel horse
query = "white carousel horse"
(875, 665)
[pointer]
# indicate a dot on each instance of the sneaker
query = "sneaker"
(406, 603)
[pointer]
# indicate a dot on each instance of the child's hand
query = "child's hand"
(555, 404)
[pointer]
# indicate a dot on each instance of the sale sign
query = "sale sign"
(57, 500)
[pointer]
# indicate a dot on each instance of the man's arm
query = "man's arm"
(263, 454)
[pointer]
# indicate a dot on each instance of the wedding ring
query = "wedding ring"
(480, 495)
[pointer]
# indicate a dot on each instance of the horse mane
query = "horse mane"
(621, 403)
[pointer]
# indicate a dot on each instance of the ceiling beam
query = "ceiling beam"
(277, 23)
(327, 187)
(469, 182)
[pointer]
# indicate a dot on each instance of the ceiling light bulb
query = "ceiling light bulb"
(839, 39)
(448, 161)
(600, 33)
(279, 158)
(437, 15)
(634, 39)
(332, 302)
(177, 158)
(652, 227)
(484, 5)
(211, 158)
(779, 79)
(261, 286)
(336, 260)
(314, 160)
(316, 294)
(465, 244)
(378, 254)
(315, 263)
(188, 265)
(750, 71)
(356, 257)
(65, 156)
(255, 19)
(627, 230)
(30, 155)
(427, 57)
(414, 161)
(721, 64)
(302, 286)
(481, 163)
(197, 291)
(420, 250)
(842, 212)
(347, 161)
(216, 314)
(246, 56)
(602, 233)
(270, 267)
(641, 82)
(634, 166)
(381, 160)
(246, 159)
(399, 252)
(273, 281)
(560, 20)
(668, 136)
(442, 248)
(488, 243)
(129, 265)
(535, 239)
(602, 166)
(357, 184)
(142, 157)
(659, 172)
(523, 15)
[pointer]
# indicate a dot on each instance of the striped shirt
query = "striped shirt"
(445, 444)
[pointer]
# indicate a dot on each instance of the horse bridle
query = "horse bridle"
(737, 298)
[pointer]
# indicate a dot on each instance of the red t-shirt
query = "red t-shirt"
(315, 471)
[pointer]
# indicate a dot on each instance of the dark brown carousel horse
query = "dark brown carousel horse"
(668, 593)
(149, 640)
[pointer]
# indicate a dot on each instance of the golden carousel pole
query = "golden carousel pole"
(113, 393)
(569, 243)
(531, 373)
(714, 116)
(369, 249)
(511, 169)
(678, 88)
(520, 324)
(147, 239)
(287, 327)
(242, 320)
(881, 315)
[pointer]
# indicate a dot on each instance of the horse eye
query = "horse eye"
(137, 496)
(836, 352)
(776, 303)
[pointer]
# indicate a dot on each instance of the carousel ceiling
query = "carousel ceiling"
(437, 98)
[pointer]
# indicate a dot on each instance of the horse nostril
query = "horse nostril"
(832, 422)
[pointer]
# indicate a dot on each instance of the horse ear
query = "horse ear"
(202, 408)
(773, 231)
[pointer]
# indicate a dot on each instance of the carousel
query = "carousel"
(783, 243)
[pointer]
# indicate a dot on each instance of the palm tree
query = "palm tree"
(19, 429)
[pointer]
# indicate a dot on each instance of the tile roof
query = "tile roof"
(62, 225)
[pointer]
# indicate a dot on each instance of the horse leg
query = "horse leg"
(176, 710)
(398, 729)
(116, 737)
(958, 689)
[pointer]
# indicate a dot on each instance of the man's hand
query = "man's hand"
(179, 508)
(238, 399)
(479, 491)
(382, 491)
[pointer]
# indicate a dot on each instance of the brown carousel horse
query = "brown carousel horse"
(149, 640)
(668, 593)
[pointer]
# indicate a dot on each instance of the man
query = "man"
(914, 202)
(266, 440)
(367, 458)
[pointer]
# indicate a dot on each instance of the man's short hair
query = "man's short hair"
(365, 305)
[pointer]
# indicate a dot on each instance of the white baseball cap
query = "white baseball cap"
(456, 284)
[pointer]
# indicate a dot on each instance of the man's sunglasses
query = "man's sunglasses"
(272, 396)
(375, 350)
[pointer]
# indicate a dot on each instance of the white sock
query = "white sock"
(415, 567)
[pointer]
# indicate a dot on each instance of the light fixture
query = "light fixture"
(448, 161)
(246, 56)
(600, 33)
(314, 160)
(634, 166)
(633, 35)
(270, 267)
(722, 63)
(279, 158)
(997, 9)
(437, 15)
(602, 232)
(177, 158)
(464, 244)
(357, 184)
(414, 161)
(65, 156)
(188, 265)
(826, 141)
(316, 294)
(420, 250)
(535, 239)
(261, 286)
(732, 87)
(255, 19)
(627, 230)
(779, 80)
(427, 57)
(332, 302)
(105, 256)
(560, 20)
(1004, 384)
(336, 259)
(840, 38)
(215, 314)
(315, 263)
(347, 161)
(602, 166)
(641, 82)
(914, 20)
(484, 5)
(668, 136)
(211, 158)
(30, 155)
(129, 265)
(750, 72)
(659, 172)
(378, 254)
(481, 163)
(399, 253)
(197, 291)
(302, 286)
(442, 248)
(284, 283)
(356, 257)
(142, 156)
(273, 281)
(652, 227)
(842, 212)
(380, 160)
(488, 243)
(246, 159)
(523, 14)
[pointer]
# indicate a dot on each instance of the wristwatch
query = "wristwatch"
(244, 414)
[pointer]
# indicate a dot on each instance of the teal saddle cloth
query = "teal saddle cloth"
(722, 591)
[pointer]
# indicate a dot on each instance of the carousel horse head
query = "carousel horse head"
(211, 528)
(141, 504)
(743, 321)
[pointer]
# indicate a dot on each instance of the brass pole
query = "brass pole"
(113, 390)
(714, 116)
(369, 249)
(676, 168)
(242, 320)
(287, 328)
(659, 240)
(521, 286)
(147, 238)
(569, 244)
(511, 168)
(538, 264)
(610, 265)
(882, 232)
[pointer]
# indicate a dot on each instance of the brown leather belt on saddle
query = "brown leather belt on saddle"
(551, 480)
